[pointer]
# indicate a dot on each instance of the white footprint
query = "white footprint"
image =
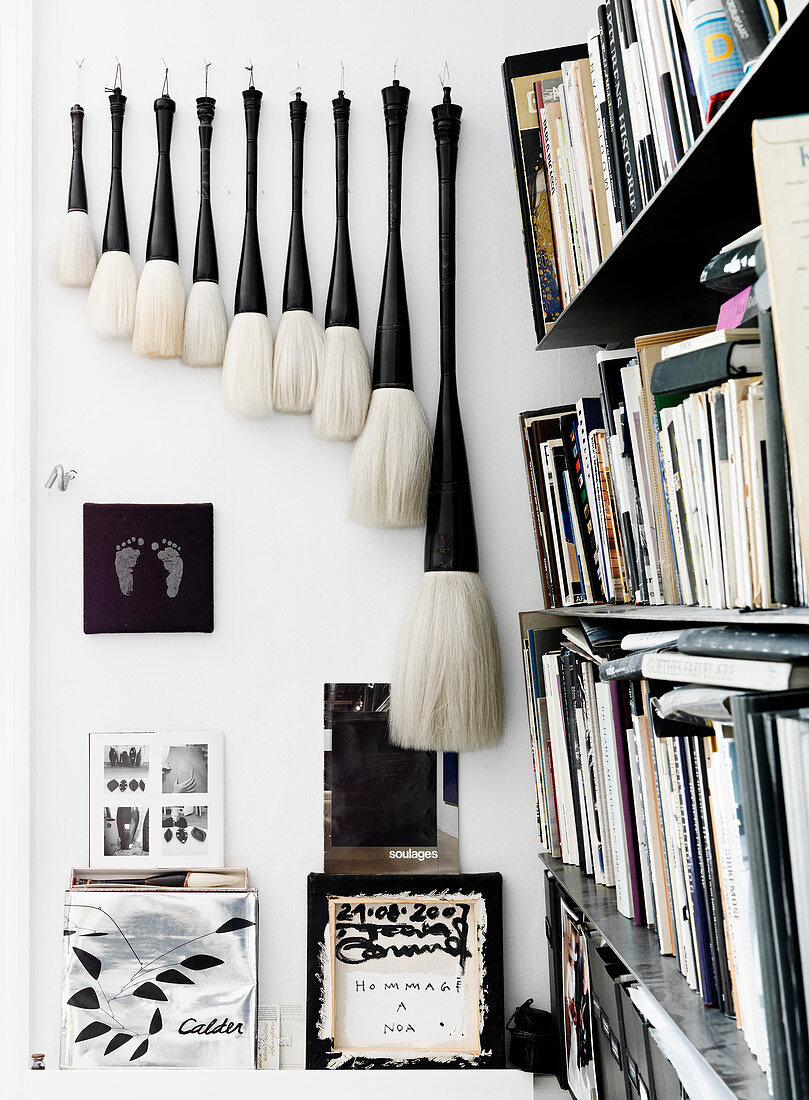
(126, 558)
(173, 564)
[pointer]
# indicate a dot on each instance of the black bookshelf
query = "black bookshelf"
(650, 280)
(677, 613)
(715, 1036)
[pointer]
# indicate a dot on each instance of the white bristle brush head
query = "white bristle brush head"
(111, 301)
(296, 362)
(447, 686)
(247, 366)
(206, 326)
(390, 465)
(344, 387)
(159, 311)
(74, 255)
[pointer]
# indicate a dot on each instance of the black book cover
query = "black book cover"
(567, 680)
(697, 370)
(762, 809)
(539, 500)
(713, 889)
(611, 135)
(702, 933)
(648, 163)
(578, 485)
(782, 564)
(628, 160)
(553, 934)
(759, 645)
(605, 970)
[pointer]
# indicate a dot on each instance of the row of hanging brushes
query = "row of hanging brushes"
(447, 691)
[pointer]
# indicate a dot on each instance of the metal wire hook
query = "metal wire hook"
(342, 76)
(117, 79)
(60, 477)
(395, 67)
(165, 91)
(251, 82)
(207, 66)
(443, 76)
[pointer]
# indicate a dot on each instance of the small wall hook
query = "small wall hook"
(60, 477)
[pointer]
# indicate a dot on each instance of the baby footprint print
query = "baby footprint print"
(173, 564)
(126, 558)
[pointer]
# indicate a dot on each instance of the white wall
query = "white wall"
(301, 596)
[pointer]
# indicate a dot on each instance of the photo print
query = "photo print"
(185, 827)
(148, 568)
(126, 832)
(185, 769)
(386, 810)
(174, 781)
(159, 978)
(126, 768)
(576, 1008)
(404, 972)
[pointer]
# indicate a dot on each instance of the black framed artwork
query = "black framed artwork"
(148, 568)
(404, 972)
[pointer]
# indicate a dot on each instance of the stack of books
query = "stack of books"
(597, 128)
(673, 485)
(676, 773)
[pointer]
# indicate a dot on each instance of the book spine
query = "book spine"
(783, 577)
(623, 120)
(638, 105)
(604, 136)
(538, 515)
(582, 506)
(574, 760)
(749, 29)
(749, 675)
(620, 726)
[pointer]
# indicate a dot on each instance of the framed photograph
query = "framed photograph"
(577, 1019)
(404, 972)
(386, 810)
(148, 568)
(156, 800)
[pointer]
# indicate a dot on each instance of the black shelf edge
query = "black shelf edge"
(715, 1036)
(676, 613)
(650, 281)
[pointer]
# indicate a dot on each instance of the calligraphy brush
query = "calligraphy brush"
(390, 466)
(74, 256)
(299, 340)
(160, 304)
(447, 688)
(344, 388)
(247, 368)
(206, 323)
(111, 302)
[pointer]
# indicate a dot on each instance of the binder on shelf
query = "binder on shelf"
(605, 971)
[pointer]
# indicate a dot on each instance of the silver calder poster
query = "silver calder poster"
(162, 978)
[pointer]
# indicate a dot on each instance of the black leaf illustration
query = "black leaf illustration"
(201, 962)
(85, 998)
(174, 977)
(69, 932)
(234, 924)
(139, 1053)
(90, 963)
(95, 933)
(117, 1041)
(92, 1031)
(150, 991)
(157, 1023)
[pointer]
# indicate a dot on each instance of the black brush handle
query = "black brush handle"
(161, 244)
(450, 542)
(116, 230)
(341, 303)
(297, 284)
(251, 297)
(77, 193)
(206, 263)
(393, 364)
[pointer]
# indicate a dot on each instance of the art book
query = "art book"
(385, 809)
(156, 800)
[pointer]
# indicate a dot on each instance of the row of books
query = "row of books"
(597, 128)
(673, 485)
(661, 771)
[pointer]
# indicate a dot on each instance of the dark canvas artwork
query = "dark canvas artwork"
(148, 568)
(381, 795)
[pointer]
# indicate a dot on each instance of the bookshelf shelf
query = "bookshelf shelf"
(715, 1036)
(676, 613)
(650, 280)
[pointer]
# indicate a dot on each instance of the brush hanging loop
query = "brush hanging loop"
(450, 542)
(116, 80)
(250, 80)
(393, 365)
(207, 65)
(165, 91)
